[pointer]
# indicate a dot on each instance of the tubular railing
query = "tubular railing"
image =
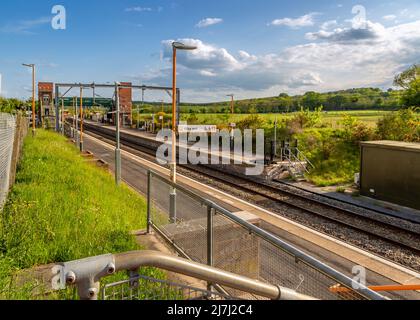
(87, 274)
(207, 233)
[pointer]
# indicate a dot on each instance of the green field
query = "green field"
(333, 118)
(61, 209)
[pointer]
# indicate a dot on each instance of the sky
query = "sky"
(246, 47)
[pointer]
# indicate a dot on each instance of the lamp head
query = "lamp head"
(182, 46)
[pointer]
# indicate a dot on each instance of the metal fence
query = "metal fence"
(87, 274)
(204, 232)
(7, 136)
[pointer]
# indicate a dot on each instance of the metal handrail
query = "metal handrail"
(284, 246)
(298, 161)
(305, 158)
(86, 274)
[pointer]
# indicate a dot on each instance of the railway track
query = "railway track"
(395, 231)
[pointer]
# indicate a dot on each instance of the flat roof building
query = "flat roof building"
(390, 171)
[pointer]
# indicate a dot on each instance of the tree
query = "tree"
(405, 78)
(411, 97)
(409, 80)
(312, 100)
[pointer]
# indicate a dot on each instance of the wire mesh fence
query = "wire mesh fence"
(7, 136)
(146, 288)
(207, 234)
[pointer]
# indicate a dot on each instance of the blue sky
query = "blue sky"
(251, 48)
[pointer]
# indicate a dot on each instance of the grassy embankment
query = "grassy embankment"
(63, 208)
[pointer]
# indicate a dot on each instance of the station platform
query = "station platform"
(341, 256)
(384, 207)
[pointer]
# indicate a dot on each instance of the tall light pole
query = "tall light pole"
(32, 66)
(81, 119)
(232, 103)
(117, 129)
(175, 46)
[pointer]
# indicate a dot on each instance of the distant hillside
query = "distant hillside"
(352, 99)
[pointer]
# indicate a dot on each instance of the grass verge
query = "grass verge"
(61, 209)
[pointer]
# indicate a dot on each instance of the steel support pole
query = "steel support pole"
(210, 242)
(118, 141)
(172, 196)
(62, 117)
(81, 119)
(275, 137)
(33, 102)
(77, 125)
(56, 102)
(73, 129)
(149, 201)
(41, 113)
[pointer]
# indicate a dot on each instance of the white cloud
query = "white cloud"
(208, 22)
(304, 21)
(390, 17)
(329, 24)
(139, 9)
(346, 35)
(335, 62)
(25, 26)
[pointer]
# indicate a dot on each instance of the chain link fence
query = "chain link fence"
(207, 233)
(13, 129)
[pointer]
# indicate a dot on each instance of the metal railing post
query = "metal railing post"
(210, 242)
(77, 125)
(149, 201)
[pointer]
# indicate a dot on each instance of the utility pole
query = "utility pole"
(232, 103)
(118, 142)
(32, 66)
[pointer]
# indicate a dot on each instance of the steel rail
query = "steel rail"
(328, 271)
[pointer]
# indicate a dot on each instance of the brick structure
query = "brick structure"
(126, 103)
(46, 96)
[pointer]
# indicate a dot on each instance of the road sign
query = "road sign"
(197, 129)
(232, 125)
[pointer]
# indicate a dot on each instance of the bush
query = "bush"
(403, 125)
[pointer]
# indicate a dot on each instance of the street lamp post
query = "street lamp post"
(175, 46)
(32, 66)
(118, 142)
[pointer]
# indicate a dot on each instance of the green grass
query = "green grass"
(370, 117)
(62, 209)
